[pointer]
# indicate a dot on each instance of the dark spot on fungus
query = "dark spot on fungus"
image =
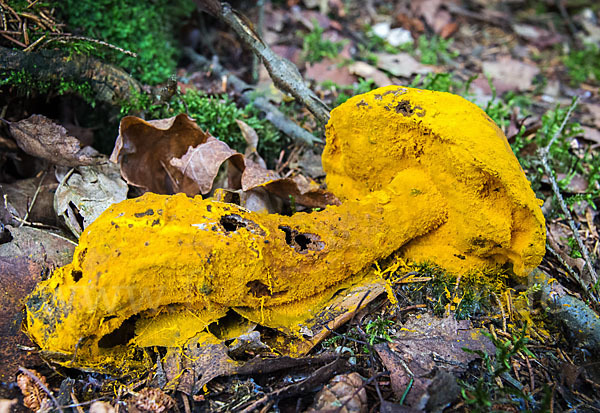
(130, 225)
(460, 256)
(405, 108)
(160, 211)
(108, 317)
(155, 222)
(209, 208)
(302, 242)
(146, 244)
(362, 103)
(76, 275)
(378, 96)
(142, 214)
(82, 254)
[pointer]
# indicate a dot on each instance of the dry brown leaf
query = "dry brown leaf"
(201, 163)
(251, 138)
(345, 393)
(400, 64)
(367, 71)
(101, 407)
(417, 342)
(510, 74)
(39, 136)
(329, 69)
(29, 253)
(19, 200)
(144, 150)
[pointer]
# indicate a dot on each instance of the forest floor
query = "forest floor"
(532, 66)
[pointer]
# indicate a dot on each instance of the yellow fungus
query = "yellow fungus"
(424, 173)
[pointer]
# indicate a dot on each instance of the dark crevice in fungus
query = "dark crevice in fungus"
(121, 335)
(302, 242)
(233, 222)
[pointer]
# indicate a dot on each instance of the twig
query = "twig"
(42, 386)
(284, 73)
(35, 195)
(543, 153)
(272, 114)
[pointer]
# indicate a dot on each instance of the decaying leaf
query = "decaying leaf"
(201, 163)
(28, 254)
(366, 71)
(425, 343)
(39, 136)
(510, 74)
(401, 64)
(29, 199)
(144, 150)
(345, 393)
(87, 191)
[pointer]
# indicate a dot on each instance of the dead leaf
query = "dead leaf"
(201, 163)
(39, 136)
(577, 184)
(510, 74)
(251, 138)
(144, 150)
(87, 191)
(20, 197)
(591, 134)
(29, 253)
(202, 359)
(425, 343)
(537, 36)
(366, 71)
(329, 69)
(401, 64)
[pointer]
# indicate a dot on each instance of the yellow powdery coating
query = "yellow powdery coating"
(493, 215)
(156, 270)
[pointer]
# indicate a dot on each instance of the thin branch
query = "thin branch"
(544, 155)
(284, 73)
(272, 114)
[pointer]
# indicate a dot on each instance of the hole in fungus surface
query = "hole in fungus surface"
(230, 322)
(302, 242)
(258, 289)
(121, 335)
(76, 274)
(233, 222)
(145, 213)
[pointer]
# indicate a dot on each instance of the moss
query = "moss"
(146, 29)
(26, 84)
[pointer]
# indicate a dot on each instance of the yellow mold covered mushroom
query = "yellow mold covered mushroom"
(425, 173)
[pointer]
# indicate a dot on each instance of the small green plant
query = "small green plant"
(574, 248)
(435, 50)
(315, 47)
(485, 394)
(583, 65)
(378, 330)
